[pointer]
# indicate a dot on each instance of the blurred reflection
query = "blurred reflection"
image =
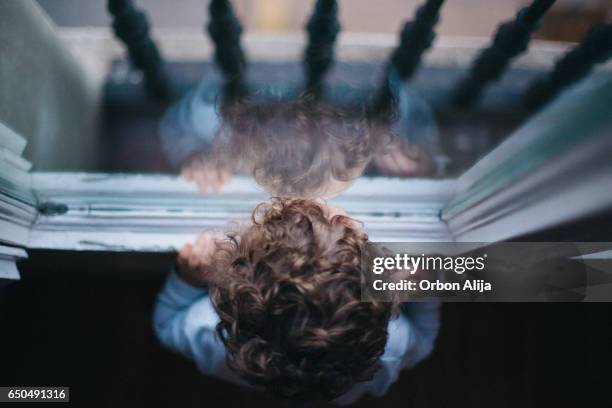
(300, 147)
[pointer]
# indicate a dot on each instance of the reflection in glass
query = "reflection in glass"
(299, 147)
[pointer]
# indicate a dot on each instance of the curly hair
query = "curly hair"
(291, 315)
(295, 148)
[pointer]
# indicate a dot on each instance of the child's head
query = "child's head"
(301, 148)
(291, 313)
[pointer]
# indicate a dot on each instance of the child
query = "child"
(278, 307)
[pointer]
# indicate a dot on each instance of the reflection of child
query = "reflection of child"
(278, 306)
(297, 148)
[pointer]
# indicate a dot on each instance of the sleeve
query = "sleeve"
(190, 125)
(424, 320)
(184, 320)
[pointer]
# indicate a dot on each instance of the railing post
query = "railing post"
(574, 65)
(224, 29)
(511, 40)
(132, 28)
(323, 28)
(416, 37)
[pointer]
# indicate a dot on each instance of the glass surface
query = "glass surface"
(297, 146)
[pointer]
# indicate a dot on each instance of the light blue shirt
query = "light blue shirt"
(185, 321)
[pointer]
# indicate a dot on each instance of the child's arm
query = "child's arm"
(416, 150)
(424, 319)
(184, 318)
(189, 126)
(188, 131)
(174, 311)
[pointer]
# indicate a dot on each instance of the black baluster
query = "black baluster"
(511, 40)
(225, 30)
(574, 65)
(416, 37)
(132, 28)
(323, 28)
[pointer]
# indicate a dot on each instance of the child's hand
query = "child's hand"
(195, 261)
(403, 159)
(206, 172)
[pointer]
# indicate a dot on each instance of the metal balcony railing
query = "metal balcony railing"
(511, 39)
